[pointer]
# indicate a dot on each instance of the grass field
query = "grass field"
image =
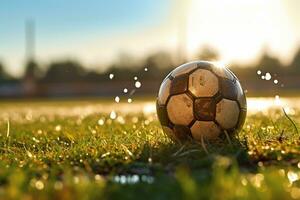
(73, 150)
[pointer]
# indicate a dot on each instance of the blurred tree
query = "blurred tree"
(126, 61)
(159, 60)
(64, 71)
(158, 65)
(269, 64)
(3, 74)
(208, 53)
(295, 65)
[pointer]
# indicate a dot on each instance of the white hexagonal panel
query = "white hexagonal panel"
(164, 92)
(227, 113)
(184, 69)
(205, 129)
(222, 71)
(203, 83)
(180, 109)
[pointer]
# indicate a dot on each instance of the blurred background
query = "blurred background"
(79, 48)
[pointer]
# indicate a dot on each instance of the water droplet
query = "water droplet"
(268, 76)
(138, 84)
(113, 115)
(111, 76)
(117, 99)
(275, 81)
(258, 72)
(125, 90)
(263, 77)
(146, 69)
(135, 78)
(129, 100)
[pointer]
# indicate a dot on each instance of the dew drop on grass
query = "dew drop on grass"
(117, 99)
(39, 185)
(58, 128)
(135, 120)
(121, 120)
(58, 185)
(138, 84)
(29, 154)
(145, 69)
(129, 100)
(244, 181)
(275, 81)
(76, 180)
(292, 176)
(277, 100)
(101, 122)
(113, 115)
(263, 77)
(98, 177)
(125, 90)
(111, 76)
(135, 78)
(281, 172)
(258, 72)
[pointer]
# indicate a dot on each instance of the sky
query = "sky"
(96, 32)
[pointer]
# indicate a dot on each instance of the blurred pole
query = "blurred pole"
(30, 39)
(182, 29)
(181, 51)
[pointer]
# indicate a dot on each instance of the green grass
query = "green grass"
(73, 157)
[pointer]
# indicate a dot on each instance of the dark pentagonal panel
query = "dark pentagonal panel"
(162, 114)
(181, 132)
(179, 84)
(242, 118)
(229, 89)
(204, 109)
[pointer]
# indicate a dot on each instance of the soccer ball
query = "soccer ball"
(201, 100)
